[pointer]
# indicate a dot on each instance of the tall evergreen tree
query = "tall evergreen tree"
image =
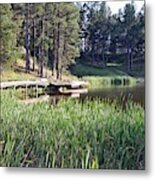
(53, 33)
(8, 35)
(130, 33)
(65, 36)
(27, 36)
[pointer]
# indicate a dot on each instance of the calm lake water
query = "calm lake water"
(122, 94)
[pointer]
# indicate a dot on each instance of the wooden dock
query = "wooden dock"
(23, 84)
(60, 87)
(69, 85)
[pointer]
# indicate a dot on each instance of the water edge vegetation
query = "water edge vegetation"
(72, 134)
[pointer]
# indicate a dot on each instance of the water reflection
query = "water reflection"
(121, 94)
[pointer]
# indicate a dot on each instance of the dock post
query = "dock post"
(1, 89)
(36, 90)
(26, 91)
(14, 90)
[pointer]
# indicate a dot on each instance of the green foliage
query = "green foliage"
(81, 70)
(99, 77)
(98, 29)
(106, 36)
(41, 28)
(65, 36)
(71, 134)
(52, 33)
(8, 50)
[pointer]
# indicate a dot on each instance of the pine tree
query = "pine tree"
(65, 36)
(129, 38)
(98, 30)
(8, 50)
(27, 36)
(70, 36)
(104, 25)
(18, 19)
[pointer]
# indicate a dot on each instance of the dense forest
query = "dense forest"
(56, 35)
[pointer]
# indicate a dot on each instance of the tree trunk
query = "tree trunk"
(42, 69)
(93, 50)
(33, 67)
(39, 55)
(61, 72)
(54, 53)
(34, 30)
(58, 52)
(103, 58)
(42, 49)
(27, 39)
(129, 59)
(41, 61)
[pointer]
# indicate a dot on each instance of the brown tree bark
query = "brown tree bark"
(58, 52)
(34, 33)
(129, 52)
(27, 39)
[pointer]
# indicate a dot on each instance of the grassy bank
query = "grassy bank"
(100, 77)
(17, 73)
(11, 75)
(81, 70)
(104, 81)
(72, 134)
(97, 77)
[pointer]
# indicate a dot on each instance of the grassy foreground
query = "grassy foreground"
(72, 134)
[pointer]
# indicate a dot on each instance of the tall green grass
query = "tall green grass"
(72, 134)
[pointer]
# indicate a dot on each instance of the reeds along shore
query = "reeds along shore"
(72, 134)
